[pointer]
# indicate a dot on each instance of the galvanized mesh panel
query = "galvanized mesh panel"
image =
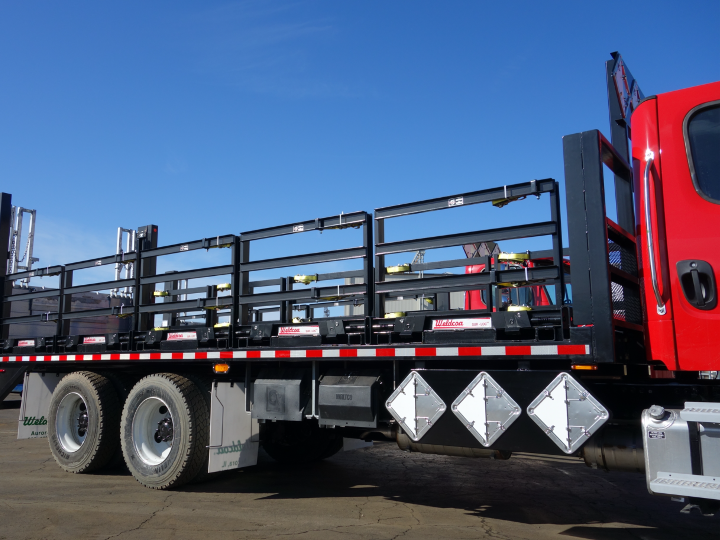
(626, 303)
(622, 258)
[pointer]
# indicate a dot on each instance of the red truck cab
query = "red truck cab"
(676, 162)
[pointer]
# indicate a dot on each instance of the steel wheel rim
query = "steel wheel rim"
(70, 426)
(145, 428)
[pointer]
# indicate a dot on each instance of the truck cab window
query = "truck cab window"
(703, 139)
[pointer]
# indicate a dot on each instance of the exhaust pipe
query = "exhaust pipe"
(616, 448)
(405, 443)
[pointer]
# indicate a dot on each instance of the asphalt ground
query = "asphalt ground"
(379, 492)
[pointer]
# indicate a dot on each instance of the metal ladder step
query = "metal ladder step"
(695, 411)
(687, 485)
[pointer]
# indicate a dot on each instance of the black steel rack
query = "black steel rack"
(254, 316)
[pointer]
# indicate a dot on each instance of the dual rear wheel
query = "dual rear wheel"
(159, 427)
(161, 432)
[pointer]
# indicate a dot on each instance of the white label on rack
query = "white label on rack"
(26, 343)
(184, 247)
(179, 336)
(298, 228)
(461, 324)
(299, 331)
(94, 339)
(455, 201)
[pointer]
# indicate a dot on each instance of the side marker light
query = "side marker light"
(221, 368)
(584, 367)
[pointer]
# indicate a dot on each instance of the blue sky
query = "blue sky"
(211, 118)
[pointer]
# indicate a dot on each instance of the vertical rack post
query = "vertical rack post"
(587, 231)
(557, 245)
(244, 282)
(64, 302)
(379, 304)
(285, 306)
(368, 265)
(235, 293)
(5, 286)
(136, 290)
(147, 268)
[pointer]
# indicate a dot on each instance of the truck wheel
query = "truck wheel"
(165, 431)
(83, 422)
(299, 442)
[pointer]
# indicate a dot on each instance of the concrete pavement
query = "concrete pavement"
(366, 494)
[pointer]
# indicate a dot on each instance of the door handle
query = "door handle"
(697, 281)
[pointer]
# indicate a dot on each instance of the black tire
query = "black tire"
(299, 442)
(85, 450)
(334, 446)
(179, 452)
(123, 383)
(204, 384)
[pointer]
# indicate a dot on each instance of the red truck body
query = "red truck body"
(684, 223)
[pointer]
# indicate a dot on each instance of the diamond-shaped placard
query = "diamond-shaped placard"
(415, 406)
(567, 413)
(485, 409)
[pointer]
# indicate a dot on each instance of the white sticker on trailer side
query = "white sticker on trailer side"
(461, 324)
(181, 336)
(299, 330)
(37, 393)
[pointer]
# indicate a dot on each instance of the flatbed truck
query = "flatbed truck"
(604, 349)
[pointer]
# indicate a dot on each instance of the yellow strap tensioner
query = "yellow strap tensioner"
(161, 328)
(297, 320)
(395, 315)
(305, 279)
(161, 293)
(222, 325)
(399, 269)
(223, 287)
(513, 307)
(499, 203)
(513, 257)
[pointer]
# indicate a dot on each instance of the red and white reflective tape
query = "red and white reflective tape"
(335, 352)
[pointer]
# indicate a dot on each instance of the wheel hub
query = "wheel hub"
(153, 431)
(72, 422)
(83, 421)
(164, 432)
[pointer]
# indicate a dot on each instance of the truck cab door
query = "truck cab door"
(689, 142)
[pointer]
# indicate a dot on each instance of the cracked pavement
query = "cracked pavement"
(378, 492)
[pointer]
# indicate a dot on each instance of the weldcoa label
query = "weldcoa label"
(94, 339)
(179, 336)
(461, 324)
(299, 331)
(26, 343)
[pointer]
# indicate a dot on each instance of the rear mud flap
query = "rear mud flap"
(234, 434)
(37, 393)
